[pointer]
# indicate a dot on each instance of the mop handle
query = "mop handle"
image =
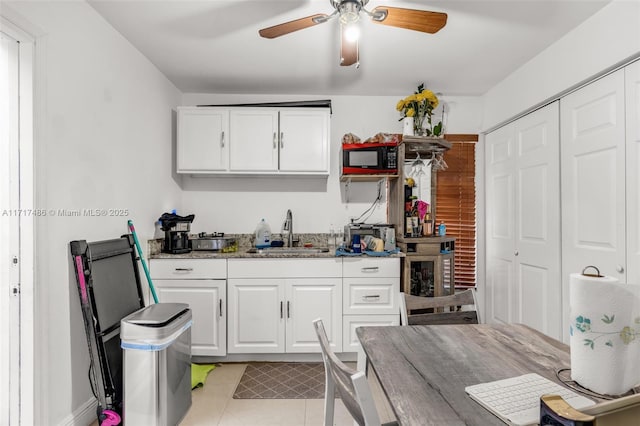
(144, 264)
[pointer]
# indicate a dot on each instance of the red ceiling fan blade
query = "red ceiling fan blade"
(348, 50)
(291, 26)
(417, 20)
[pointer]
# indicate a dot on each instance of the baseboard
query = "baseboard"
(291, 357)
(83, 415)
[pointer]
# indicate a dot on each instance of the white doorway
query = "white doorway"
(10, 231)
(16, 227)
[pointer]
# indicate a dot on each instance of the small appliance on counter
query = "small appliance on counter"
(176, 233)
(364, 229)
(215, 241)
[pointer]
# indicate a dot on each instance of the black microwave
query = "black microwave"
(369, 158)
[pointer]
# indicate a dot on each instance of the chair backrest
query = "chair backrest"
(342, 376)
(445, 309)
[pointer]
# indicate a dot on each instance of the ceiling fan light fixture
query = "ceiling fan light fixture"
(349, 11)
(351, 32)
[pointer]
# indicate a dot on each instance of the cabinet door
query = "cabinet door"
(523, 222)
(202, 140)
(207, 299)
(304, 141)
(307, 300)
(593, 181)
(256, 316)
(632, 83)
(254, 140)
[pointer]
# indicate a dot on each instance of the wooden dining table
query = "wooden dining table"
(423, 370)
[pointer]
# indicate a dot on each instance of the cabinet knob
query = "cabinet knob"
(620, 268)
(516, 253)
(275, 137)
(281, 139)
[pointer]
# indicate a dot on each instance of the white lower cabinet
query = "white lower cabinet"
(272, 303)
(370, 291)
(201, 284)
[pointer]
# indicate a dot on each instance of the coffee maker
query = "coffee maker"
(176, 233)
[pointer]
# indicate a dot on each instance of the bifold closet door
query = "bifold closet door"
(632, 85)
(523, 222)
(593, 181)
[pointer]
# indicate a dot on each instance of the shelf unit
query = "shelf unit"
(366, 178)
(429, 261)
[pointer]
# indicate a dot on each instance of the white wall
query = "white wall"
(607, 38)
(236, 205)
(103, 136)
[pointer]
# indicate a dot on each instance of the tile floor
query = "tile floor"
(213, 405)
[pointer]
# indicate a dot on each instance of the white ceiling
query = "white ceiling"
(213, 46)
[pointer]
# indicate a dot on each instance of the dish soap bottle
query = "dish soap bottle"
(263, 234)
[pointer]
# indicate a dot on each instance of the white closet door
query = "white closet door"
(500, 207)
(523, 222)
(537, 234)
(632, 85)
(593, 181)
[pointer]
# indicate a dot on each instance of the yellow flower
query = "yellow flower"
(411, 112)
(400, 105)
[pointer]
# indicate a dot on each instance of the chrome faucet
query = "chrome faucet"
(288, 226)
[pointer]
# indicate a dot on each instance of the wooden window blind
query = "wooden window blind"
(456, 204)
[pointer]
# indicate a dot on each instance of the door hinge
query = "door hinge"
(15, 289)
(15, 260)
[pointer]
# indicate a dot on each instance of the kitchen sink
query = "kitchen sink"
(288, 250)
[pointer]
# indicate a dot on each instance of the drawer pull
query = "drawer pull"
(281, 311)
(370, 296)
(220, 303)
(184, 269)
(370, 269)
(288, 310)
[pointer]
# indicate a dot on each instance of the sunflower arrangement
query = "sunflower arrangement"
(420, 106)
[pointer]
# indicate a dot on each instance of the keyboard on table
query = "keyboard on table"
(516, 400)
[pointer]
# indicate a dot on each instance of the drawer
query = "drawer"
(350, 342)
(285, 268)
(371, 267)
(188, 268)
(370, 295)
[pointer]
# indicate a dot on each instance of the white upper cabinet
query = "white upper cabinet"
(202, 140)
(523, 222)
(303, 141)
(258, 141)
(254, 140)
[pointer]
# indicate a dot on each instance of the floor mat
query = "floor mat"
(281, 380)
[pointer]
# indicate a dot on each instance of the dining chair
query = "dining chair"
(352, 387)
(417, 310)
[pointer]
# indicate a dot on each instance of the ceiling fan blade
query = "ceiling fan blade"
(291, 26)
(348, 51)
(412, 19)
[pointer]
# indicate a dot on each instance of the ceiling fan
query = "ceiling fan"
(348, 12)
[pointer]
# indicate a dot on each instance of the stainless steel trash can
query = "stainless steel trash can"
(156, 343)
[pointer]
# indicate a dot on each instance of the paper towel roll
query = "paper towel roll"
(604, 333)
